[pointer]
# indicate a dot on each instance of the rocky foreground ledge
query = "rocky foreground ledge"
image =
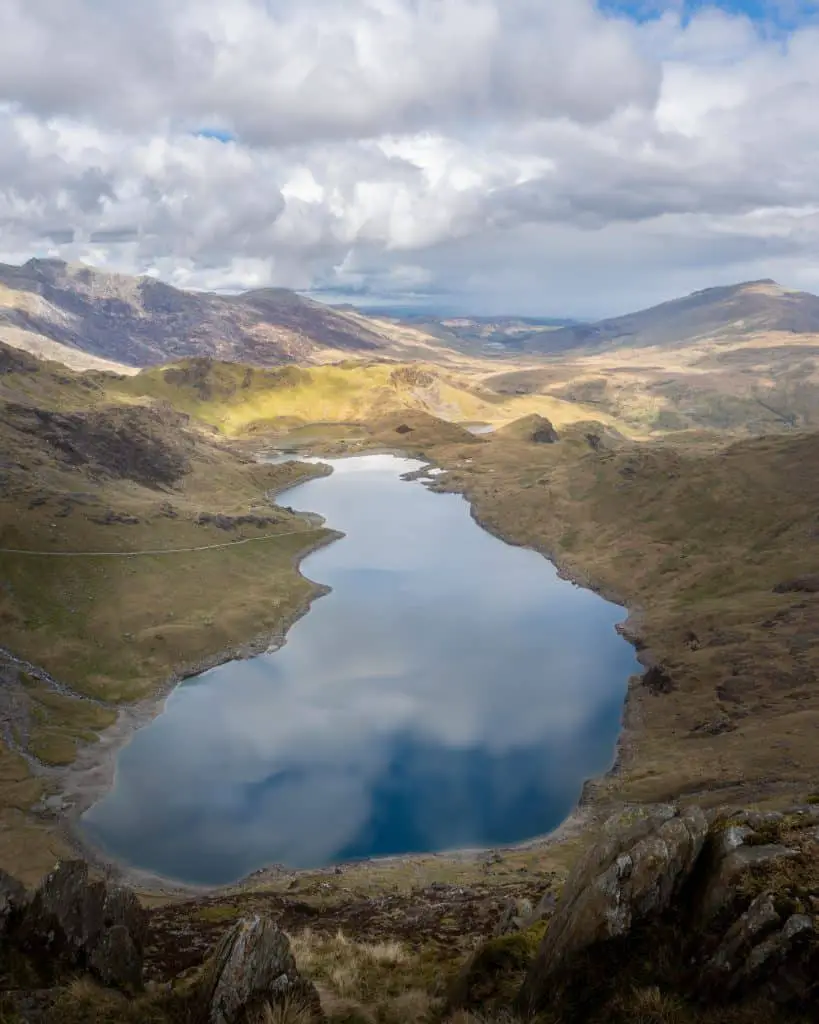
(671, 916)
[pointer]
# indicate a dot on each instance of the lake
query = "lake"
(450, 692)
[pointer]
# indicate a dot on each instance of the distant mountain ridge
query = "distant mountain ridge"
(140, 321)
(730, 311)
(91, 319)
(471, 334)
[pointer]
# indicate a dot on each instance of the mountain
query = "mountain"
(472, 335)
(743, 359)
(730, 312)
(139, 321)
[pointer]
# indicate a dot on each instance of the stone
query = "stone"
(13, 900)
(253, 971)
(730, 858)
(757, 819)
(627, 878)
(544, 432)
(807, 584)
(116, 960)
(515, 917)
(776, 962)
(544, 907)
(70, 916)
(722, 972)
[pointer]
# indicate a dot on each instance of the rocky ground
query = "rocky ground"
(673, 916)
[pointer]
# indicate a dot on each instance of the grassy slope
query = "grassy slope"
(115, 628)
(760, 383)
(239, 399)
(694, 541)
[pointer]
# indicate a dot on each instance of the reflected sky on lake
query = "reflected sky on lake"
(450, 692)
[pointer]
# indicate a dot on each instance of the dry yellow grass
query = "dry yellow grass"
(758, 383)
(380, 981)
(240, 399)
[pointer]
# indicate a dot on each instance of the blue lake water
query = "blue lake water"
(450, 692)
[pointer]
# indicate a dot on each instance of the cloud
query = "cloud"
(293, 72)
(513, 156)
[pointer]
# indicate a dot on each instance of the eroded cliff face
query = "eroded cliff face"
(673, 915)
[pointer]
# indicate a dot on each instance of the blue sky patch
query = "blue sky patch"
(220, 134)
(785, 14)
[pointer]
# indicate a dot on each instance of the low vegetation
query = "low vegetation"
(706, 545)
(150, 546)
(133, 548)
(241, 400)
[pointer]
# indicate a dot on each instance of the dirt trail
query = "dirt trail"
(157, 551)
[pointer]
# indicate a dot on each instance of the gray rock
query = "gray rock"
(115, 959)
(252, 972)
(515, 917)
(13, 899)
(777, 945)
(545, 907)
(68, 922)
(775, 962)
(729, 863)
(627, 878)
(724, 970)
(731, 838)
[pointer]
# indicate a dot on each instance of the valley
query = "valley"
(143, 541)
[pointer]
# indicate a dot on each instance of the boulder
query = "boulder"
(724, 968)
(776, 961)
(13, 900)
(70, 920)
(807, 584)
(721, 910)
(116, 960)
(514, 916)
(544, 907)
(252, 973)
(728, 857)
(627, 878)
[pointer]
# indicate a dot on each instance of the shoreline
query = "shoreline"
(590, 803)
(92, 774)
(78, 786)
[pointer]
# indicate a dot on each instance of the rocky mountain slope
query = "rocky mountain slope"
(734, 311)
(139, 321)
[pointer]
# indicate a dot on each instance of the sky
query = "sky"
(539, 157)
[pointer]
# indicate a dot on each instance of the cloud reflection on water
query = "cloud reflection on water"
(451, 690)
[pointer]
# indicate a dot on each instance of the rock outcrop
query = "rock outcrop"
(75, 923)
(721, 900)
(673, 914)
(627, 878)
(534, 428)
(13, 900)
(252, 973)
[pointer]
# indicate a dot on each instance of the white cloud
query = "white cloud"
(522, 155)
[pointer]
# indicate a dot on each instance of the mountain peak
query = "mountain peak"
(45, 263)
(140, 321)
(724, 312)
